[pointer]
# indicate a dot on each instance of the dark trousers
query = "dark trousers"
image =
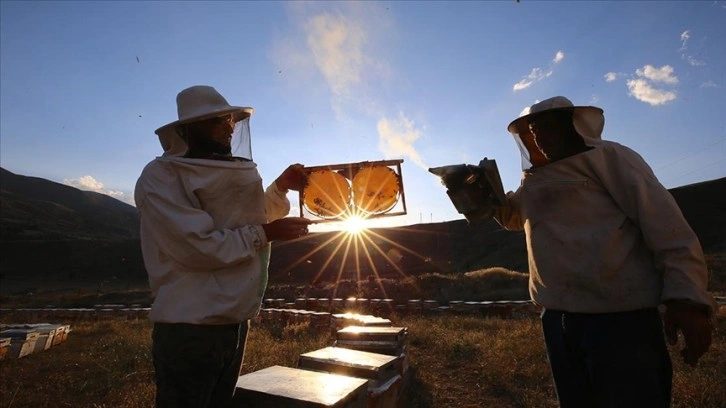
(197, 365)
(609, 359)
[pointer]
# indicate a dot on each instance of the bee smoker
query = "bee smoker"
(475, 191)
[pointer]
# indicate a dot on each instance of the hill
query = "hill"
(33, 208)
(51, 233)
(56, 235)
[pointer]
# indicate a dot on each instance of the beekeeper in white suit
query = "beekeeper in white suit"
(607, 244)
(206, 228)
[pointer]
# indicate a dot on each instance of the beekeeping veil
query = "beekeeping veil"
(199, 103)
(587, 120)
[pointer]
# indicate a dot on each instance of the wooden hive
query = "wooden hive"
(4, 347)
(414, 305)
(429, 305)
(62, 333)
(379, 368)
(47, 333)
(311, 304)
(337, 304)
(323, 305)
(22, 341)
(383, 372)
(391, 341)
(398, 335)
(279, 386)
(373, 321)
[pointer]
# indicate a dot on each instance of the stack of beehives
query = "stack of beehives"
(366, 367)
(20, 340)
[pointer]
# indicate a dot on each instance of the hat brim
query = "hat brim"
(515, 125)
(238, 112)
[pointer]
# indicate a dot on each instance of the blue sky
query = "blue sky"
(83, 85)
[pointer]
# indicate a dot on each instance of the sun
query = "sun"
(353, 225)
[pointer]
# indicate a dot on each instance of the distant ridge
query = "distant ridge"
(53, 232)
(704, 206)
(33, 208)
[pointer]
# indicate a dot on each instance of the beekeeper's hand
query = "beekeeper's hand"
(293, 178)
(286, 228)
(695, 325)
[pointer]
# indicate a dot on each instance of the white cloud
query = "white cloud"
(663, 74)
(650, 84)
(336, 44)
(88, 183)
(559, 56)
(396, 138)
(343, 47)
(689, 57)
(709, 84)
(538, 74)
(339, 47)
(684, 39)
(694, 62)
(535, 76)
(643, 91)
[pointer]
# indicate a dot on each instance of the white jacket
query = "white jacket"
(204, 248)
(603, 235)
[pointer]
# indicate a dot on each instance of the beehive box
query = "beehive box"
(341, 320)
(381, 371)
(373, 321)
(47, 333)
(337, 304)
(322, 305)
(378, 368)
(311, 304)
(4, 347)
(22, 342)
(430, 305)
(43, 342)
(279, 386)
(386, 395)
(61, 334)
(397, 335)
(320, 320)
(414, 305)
(350, 303)
(391, 341)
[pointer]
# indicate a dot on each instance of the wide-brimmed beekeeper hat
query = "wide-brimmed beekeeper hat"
(589, 118)
(202, 102)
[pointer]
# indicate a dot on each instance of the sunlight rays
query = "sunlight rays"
(353, 250)
(354, 224)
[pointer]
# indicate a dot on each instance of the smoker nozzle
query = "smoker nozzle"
(475, 191)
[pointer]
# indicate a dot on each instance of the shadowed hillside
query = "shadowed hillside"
(446, 247)
(52, 234)
(704, 206)
(37, 209)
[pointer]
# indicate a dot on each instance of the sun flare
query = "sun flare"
(354, 225)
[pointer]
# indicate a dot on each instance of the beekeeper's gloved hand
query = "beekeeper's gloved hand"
(695, 325)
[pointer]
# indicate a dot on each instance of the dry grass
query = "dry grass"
(475, 362)
(456, 361)
(102, 364)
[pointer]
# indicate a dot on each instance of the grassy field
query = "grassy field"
(456, 361)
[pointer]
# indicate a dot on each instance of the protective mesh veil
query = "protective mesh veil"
(242, 140)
